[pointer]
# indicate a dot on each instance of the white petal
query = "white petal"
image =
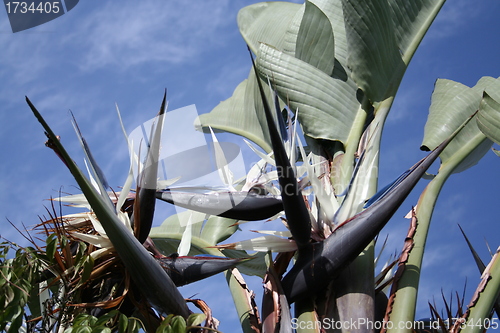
(99, 253)
(264, 244)
(96, 240)
(96, 224)
(285, 233)
(185, 244)
(222, 166)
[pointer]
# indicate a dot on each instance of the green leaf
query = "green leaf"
(82, 329)
(16, 324)
(488, 118)
(88, 266)
(411, 20)
(261, 23)
(315, 42)
(247, 117)
(218, 229)
(104, 319)
(178, 324)
(14, 315)
(195, 319)
(243, 119)
(101, 330)
(377, 46)
(8, 294)
(122, 323)
(133, 325)
(165, 324)
(256, 266)
(213, 231)
(327, 106)
(34, 302)
(451, 104)
(51, 248)
(374, 57)
(333, 10)
(382, 37)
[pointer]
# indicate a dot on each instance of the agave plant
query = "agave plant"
(333, 68)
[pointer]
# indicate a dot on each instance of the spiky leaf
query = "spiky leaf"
(152, 280)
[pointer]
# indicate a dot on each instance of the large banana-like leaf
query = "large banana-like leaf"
(315, 42)
(488, 118)
(374, 40)
(274, 23)
(374, 57)
(320, 98)
(382, 37)
(452, 103)
(147, 274)
(239, 123)
(237, 115)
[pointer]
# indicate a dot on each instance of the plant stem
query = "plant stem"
(355, 302)
(478, 313)
(403, 309)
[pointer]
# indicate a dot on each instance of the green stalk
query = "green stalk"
(351, 146)
(478, 315)
(357, 279)
(403, 309)
(243, 306)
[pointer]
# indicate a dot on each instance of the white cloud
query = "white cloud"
(124, 34)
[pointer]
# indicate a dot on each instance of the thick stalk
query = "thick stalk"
(478, 315)
(405, 301)
(242, 301)
(356, 301)
(351, 146)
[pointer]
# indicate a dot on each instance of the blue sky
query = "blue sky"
(128, 52)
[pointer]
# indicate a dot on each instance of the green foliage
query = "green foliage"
(113, 321)
(177, 324)
(488, 119)
(338, 65)
(17, 275)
